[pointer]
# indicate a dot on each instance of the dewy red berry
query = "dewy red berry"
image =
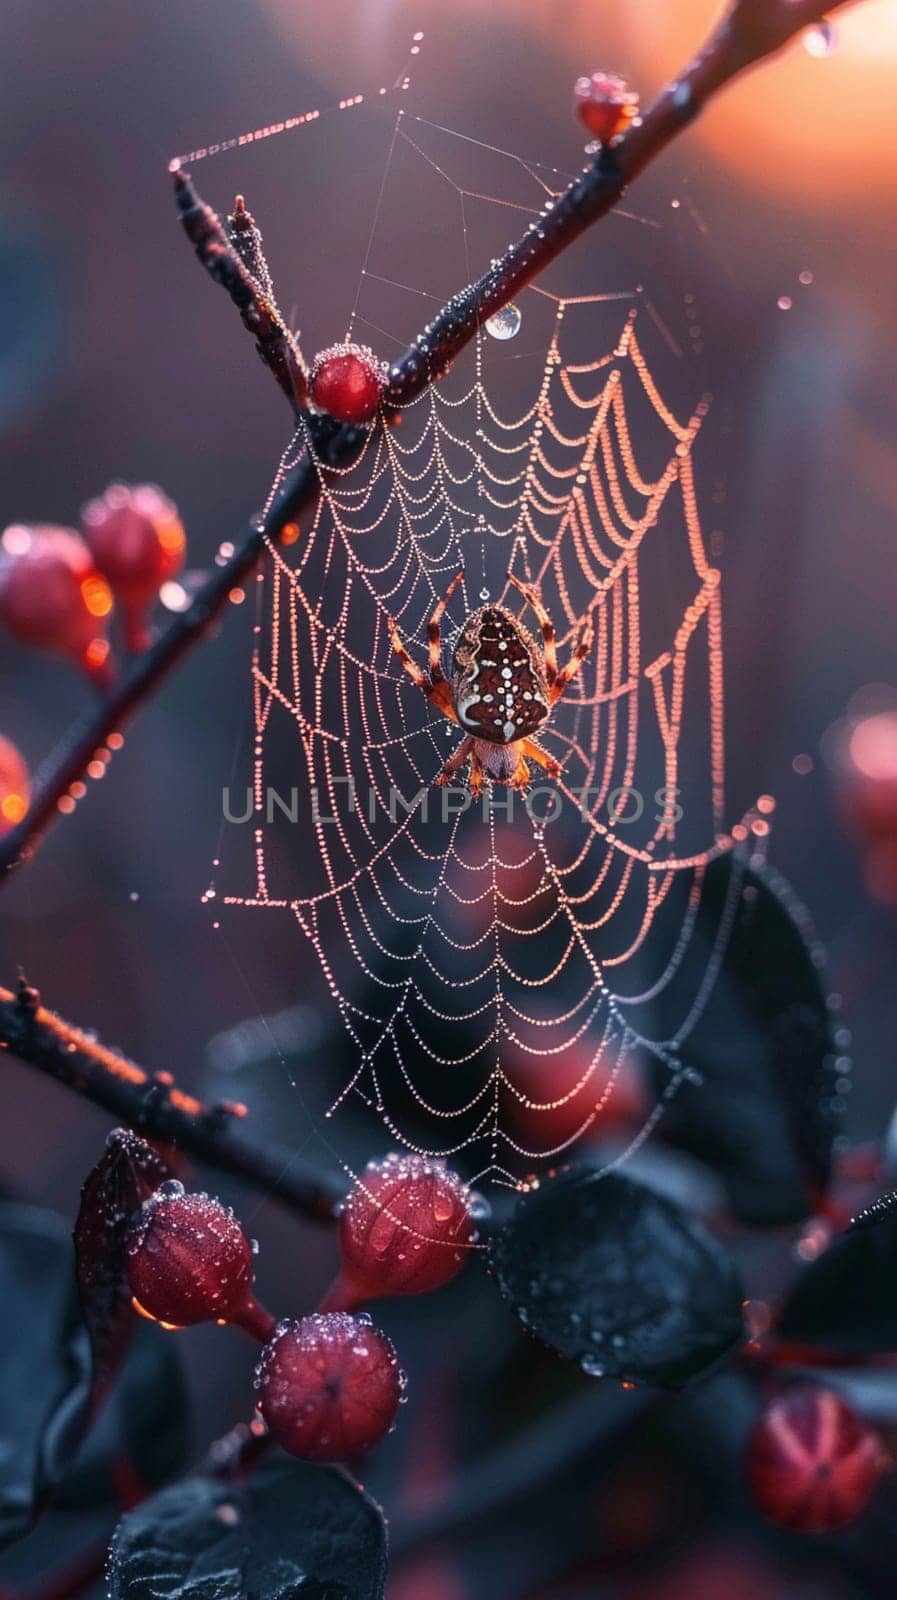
(406, 1228)
(138, 542)
(812, 1463)
(52, 596)
(189, 1261)
(605, 103)
(348, 382)
(329, 1386)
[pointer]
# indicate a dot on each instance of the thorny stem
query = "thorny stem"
(153, 1106)
(749, 31)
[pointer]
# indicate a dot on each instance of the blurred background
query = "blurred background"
(118, 359)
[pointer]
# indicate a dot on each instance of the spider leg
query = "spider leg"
(457, 759)
(434, 630)
(439, 694)
(586, 640)
(545, 623)
(534, 752)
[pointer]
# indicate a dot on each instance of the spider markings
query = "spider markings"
(502, 687)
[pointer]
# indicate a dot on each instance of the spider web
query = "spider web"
(466, 942)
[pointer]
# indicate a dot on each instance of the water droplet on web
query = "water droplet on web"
(484, 594)
(504, 324)
(820, 41)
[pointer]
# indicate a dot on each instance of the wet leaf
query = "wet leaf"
(767, 1109)
(289, 1531)
(846, 1300)
(130, 1171)
(619, 1278)
(45, 1363)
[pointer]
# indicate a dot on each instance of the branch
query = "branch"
(153, 1106)
(749, 31)
(234, 259)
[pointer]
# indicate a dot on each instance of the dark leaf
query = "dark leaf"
(140, 1439)
(288, 1531)
(618, 1278)
(767, 1109)
(128, 1173)
(44, 1363)
(846, 1300)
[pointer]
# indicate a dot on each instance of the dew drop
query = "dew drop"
(504, 324)
(592, 1367)
(484, 594)
(821, 41)
(478, 1206)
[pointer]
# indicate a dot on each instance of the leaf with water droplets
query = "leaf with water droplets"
(130, 1171)
(767, 1101)
(846, 1300)
(290, 1531)
(618, 1278)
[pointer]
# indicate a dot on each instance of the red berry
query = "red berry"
(138, 542)
(52, 596)
(605, 103)
(329, 1386)
(15, 787)
(812, 1462)
(189, 1260)
(406, 1228)
(348, 382)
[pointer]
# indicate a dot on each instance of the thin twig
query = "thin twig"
(153, 1106)
(750, 31)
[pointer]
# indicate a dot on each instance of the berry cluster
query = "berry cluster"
(329, 1384)
(59, 587)
(59, 590)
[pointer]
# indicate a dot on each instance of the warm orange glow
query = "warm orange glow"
(96, 654)
(95, 769)
(797, 127)
(237, 596)
(290, 533)
(170, 1327)
(115, 741)
(14, 807)
(97, 595)
(172, 537)
(65, 804)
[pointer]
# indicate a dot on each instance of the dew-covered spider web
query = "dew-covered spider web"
(475, 948)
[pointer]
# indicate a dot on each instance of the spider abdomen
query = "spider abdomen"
(498, 679)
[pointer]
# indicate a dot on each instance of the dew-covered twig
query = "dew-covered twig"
(155, 1107)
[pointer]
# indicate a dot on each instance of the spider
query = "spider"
(502, 687)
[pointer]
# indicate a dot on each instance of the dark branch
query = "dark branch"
(229, 262)
(749, 31)
(153, 1106)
